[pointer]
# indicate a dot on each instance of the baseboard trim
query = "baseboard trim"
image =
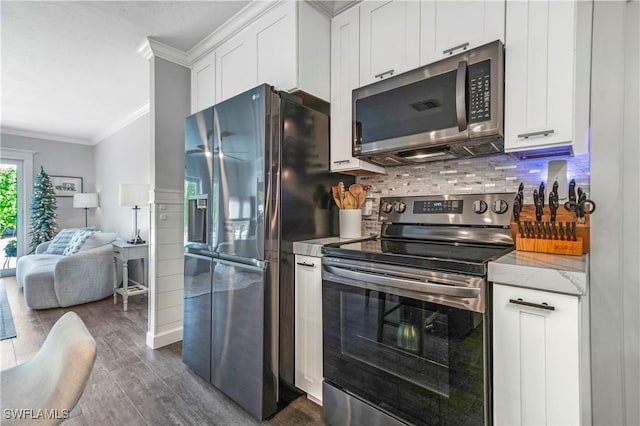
(165, 338)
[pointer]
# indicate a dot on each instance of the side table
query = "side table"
(124, 252)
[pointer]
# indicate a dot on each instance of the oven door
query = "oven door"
(411, 344)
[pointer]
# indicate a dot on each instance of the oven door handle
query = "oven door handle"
(422, 286)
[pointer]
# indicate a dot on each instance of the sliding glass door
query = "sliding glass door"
(15, 195)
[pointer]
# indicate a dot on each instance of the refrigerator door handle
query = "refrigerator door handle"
(241, 262)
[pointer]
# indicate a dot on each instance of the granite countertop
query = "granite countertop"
(542, 271)
(314, 247)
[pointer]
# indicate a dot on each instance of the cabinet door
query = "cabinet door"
(345, 42)
(450, 27)
(236, 66)
(535, 357)
(539, 74)
(275, 38)
(308, 326)
(389, 39)
(203, 83)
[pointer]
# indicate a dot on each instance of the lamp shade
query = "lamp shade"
(133, 194)
(85, 201)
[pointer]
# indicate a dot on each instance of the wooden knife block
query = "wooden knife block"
(540, 245)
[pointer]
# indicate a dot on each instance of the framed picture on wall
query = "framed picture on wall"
(66, 186)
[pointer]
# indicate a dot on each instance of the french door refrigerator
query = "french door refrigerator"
(256, 179)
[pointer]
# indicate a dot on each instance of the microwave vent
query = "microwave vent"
(425, 105)
(385, 161)
(486, 148)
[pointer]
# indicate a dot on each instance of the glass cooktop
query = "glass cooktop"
(453, 257)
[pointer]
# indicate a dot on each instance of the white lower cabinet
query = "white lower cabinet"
(536, 357)
(308, 327)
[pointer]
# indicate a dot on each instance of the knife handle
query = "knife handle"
(572, 190)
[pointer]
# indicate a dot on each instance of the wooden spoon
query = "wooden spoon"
(342, 193)
(350, 202)
(336, 196)
(356, 190)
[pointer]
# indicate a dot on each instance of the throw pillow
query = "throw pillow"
(77, 241)
(98, 239)
(60, 241)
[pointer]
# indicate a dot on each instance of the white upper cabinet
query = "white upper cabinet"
(275, 35)
(236, 66)
(450, 27)
(547, 75)
(293, 48)
(389, 39)
(288, 47)
(345, 66)
(203, 79)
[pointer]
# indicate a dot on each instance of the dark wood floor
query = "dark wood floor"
(132, 384)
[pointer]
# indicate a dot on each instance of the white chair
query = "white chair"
(44, 389)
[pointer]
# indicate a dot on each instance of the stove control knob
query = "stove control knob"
(499, 206)
(479, 206)
(386, 207)
(400, 207)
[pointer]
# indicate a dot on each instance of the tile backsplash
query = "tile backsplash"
(501, 173)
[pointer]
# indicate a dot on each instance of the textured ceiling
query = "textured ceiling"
(71, 70)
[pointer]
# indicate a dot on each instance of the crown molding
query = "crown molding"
(332, 10)
(150, 48)
(243, 18)
(140, 112)
(46, 136)
(322, 7)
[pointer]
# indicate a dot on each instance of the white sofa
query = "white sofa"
(52, 280)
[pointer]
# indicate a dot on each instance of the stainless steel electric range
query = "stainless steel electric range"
(406, 314)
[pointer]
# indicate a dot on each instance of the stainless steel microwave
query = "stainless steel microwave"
(452, 108)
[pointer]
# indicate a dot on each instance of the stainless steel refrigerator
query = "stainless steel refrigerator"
(256, 179)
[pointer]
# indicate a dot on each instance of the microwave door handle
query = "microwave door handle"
(461, 95)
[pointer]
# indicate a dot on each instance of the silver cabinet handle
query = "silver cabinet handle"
(532, 305)
(382, 74)
(450, 51)
(306, 264)
(341, 162)
(540, 133)
(461, 95)
(422, 286)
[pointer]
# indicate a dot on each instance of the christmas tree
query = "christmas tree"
(43, 211)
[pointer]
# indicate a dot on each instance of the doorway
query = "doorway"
(9, 215)
(16, 186)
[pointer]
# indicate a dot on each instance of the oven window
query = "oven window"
(404, 337)
(421, 361)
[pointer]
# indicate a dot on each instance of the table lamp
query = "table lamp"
(85, 201)
(134, 195)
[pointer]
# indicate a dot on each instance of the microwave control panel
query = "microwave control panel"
(480, 91)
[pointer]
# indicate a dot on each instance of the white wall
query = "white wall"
(60, 159)
(615, 232)
(124, 157)
(170, 89)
